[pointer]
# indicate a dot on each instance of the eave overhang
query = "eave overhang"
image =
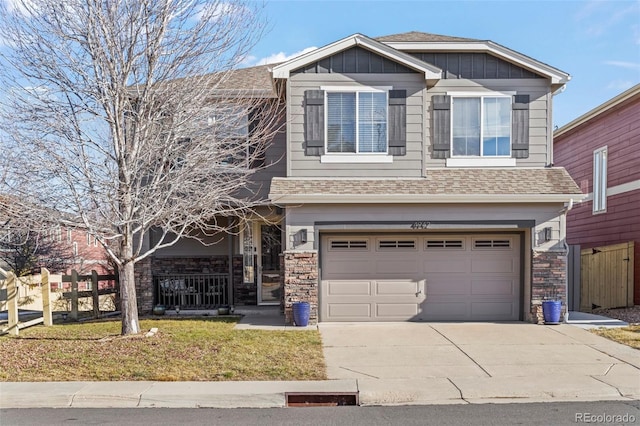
(289, 199)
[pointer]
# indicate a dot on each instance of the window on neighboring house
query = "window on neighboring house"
(356, 122)
(481, 126)
(600, 180)
(231, 126)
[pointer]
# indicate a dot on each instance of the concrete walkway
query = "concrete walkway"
(394, 364)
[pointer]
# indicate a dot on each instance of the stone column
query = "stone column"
(144, 285)
(549, 281)
(301, 283)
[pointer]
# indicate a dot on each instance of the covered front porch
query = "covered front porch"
(240, 267)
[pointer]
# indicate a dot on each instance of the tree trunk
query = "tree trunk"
(128, 302)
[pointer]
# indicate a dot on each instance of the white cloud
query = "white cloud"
(624, 64)
(281, 56)
(620, 85)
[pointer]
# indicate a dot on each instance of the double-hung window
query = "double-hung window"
(356, 121)
(481, 126)
(600, 180)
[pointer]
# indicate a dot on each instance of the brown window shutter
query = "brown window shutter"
(314, 122)
(520, 126)
(397, 124)
(441, 126)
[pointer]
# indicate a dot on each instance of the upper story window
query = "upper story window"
(481, 126)
(356, 122)
(600, 180)
(480, 129)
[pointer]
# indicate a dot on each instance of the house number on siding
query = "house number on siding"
(420, 225)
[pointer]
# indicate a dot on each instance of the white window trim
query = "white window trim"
(480, 160)
(354, 157)
(599, 206)
(365, 157)
(498, 161)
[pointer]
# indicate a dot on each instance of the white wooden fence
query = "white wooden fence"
(13, 286)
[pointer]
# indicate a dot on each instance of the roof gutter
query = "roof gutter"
(283, 199)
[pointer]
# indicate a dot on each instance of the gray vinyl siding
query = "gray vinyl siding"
(410, 164)
(540, 126)
(306, 216)
(275, 165)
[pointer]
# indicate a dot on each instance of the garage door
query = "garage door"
(421, 278)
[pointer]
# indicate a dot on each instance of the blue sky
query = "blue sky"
(597, 42)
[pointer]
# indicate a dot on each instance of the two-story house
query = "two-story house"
(414, 182)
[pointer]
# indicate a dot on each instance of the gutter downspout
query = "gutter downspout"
(564, 213)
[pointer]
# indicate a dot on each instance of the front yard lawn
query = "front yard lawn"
(629, 336)
(204, 349)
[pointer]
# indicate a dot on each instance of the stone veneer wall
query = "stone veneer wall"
(144, 285)
(300, 283)
(190, 265)
(243, 293)
(549, 281)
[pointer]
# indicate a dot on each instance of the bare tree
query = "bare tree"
(122, 114)
(25, 252)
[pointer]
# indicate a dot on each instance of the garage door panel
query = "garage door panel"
(404, 267)
(446, 311)
(396, 310)
(341, 268)
(492, 309)
(445, 265)
(349, 310)
(494, 287)
(395, 288)
(493, 265)
(347, 288)
(447, 286)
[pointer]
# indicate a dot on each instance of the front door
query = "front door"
(269, 265)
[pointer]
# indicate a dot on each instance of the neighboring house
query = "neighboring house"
(600, 151)
(414, 181)
(71, 248)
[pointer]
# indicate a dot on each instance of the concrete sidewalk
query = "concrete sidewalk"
(396, 364)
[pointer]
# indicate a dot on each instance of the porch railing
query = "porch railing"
(191, 291)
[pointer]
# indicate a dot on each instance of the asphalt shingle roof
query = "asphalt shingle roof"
(515, 181)
(416, 36)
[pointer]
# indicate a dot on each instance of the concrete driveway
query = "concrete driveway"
(444, 362)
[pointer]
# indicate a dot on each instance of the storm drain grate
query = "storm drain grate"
(321, 399)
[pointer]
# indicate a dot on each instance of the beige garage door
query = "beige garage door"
(421, 278)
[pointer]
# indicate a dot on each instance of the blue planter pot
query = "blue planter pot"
(552, 311)
(301, 313)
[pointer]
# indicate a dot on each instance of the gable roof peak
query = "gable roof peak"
(417, 36)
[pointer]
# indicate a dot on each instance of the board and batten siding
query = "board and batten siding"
(409, 165)
(540, 127)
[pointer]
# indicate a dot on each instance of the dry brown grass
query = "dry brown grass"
(629, 336)
(182, 350)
